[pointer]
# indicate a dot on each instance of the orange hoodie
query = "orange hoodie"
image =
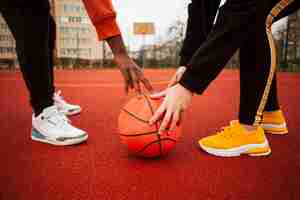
(103, 16)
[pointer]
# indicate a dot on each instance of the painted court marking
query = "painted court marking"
(94, 85)
(103, 84)
(88, 84)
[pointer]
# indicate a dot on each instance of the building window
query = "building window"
(64, 19)
(76, 19)
(73, 8)
(6, 50)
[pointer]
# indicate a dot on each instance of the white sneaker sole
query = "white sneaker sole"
(277, 129)
(238, 151)
(60, 143)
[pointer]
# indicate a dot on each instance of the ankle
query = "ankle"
(37, 113)
(38, 110)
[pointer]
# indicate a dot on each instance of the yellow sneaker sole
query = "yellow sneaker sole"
(249, 149)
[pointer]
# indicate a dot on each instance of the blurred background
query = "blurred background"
(77, 45)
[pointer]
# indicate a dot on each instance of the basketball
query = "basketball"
(138, 136)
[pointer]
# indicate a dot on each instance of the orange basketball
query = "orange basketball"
(140, 138)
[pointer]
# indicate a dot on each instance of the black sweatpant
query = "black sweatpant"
(52, 39)
(29, 22)
(241, 24)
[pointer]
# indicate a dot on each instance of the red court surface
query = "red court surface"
(101, 168)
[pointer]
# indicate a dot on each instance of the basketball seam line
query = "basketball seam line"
(134, 116)
(157, 134)
(156, 141)
(141, 134)
(160, 146)
(149, 104)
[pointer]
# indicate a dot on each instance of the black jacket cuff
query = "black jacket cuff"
(191, 82)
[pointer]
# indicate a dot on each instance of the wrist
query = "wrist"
(117, 46)
(187, 91)
(121, 58)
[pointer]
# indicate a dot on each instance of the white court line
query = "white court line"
(89, 85)
(105, 85)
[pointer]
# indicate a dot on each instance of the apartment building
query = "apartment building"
(293, 37)
(77, 37)
(7, 45)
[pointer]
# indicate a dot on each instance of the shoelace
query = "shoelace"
(227, 131)
(57, 118)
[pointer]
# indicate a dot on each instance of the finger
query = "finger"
(165, 121)
(135, 81)
(138, 88)
(129, 81)
(140, 76)
(147, 84)
(157, 115)
(175, 120)
(159, 94)
(126, 80)
(126, 88)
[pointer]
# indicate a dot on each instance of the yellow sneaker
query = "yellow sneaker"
(235, 141)
(274, 122)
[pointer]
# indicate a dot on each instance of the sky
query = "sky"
(162, 12)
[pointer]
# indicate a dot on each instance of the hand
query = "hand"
(177, 76)
(174, 80)
(133, 75)
(177, 99)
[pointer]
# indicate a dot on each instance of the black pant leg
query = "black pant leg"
(29, 24)
(52, 39)
(255, 60)
(272, 102)
(248, 93)
(248, 76)
(253, 75)
(253, 80)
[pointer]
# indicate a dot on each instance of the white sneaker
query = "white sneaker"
(64, 107)
(53, 127)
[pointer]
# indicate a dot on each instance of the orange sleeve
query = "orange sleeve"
(103, 17)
